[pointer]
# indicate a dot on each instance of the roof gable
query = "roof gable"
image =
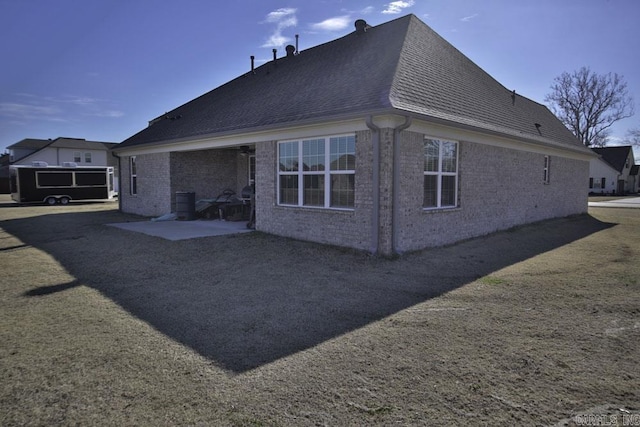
(615, 156)
(30, 144)
(437, 80)
(401, 66)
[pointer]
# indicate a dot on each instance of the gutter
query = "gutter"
(396, 181)
(375, 180)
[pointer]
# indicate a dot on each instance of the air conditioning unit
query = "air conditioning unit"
(70, 164)
(39, 164)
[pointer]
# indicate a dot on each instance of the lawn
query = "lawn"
(538, 325)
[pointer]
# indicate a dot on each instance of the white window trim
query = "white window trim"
(301, 173)
(132, 176)
(547, 169)
(439, 174)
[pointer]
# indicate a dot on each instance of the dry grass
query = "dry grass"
(101, 326)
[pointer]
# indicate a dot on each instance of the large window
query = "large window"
(133, 174)
(440, 174)
(318, 172)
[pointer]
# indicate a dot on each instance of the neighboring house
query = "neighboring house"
(57, 152)
(614, 168)
(387, 139)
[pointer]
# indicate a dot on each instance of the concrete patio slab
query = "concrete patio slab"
(182, 230)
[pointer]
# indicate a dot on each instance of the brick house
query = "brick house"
(386, 140)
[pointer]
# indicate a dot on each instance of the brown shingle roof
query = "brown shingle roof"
(401, 66)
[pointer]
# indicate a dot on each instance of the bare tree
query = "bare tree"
(633, 137)
(589, 103)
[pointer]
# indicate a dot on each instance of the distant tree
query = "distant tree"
(589, 103)
(633, 137)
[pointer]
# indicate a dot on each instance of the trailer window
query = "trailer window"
(86, 179)
(54, 179)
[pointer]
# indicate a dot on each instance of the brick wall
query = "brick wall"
(206, 172)
(160, 176)
(499, 188)
(153, 182)
(329, 226)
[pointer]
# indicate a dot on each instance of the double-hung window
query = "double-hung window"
(440, 174)
(317, 172)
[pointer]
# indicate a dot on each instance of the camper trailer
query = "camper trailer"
(40, 183)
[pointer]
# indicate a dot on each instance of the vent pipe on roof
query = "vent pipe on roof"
(513, 97)
(361, 26)
(297, 43)
(275, 51)
(291, 50)
(252, 64)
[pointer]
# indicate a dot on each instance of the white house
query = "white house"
(62, 150)
(613, 171)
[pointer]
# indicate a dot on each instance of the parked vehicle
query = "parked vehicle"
(41, 183)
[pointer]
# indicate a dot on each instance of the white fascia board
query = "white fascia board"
(250, 138)
(447, 132)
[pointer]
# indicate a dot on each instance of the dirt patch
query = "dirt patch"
(538, 325)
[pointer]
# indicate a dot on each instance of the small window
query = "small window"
(87, 157)
(603, 182)
(133, 174)
(547, 165)
(440, 174)
(590, 182)
(77, 157)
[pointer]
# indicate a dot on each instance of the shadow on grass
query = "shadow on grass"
(46, 290)
(247, 300)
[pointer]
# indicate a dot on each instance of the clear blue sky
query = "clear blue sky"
(100, 69)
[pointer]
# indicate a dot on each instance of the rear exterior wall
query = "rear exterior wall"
(160, 175)
(153, 196)
(498, 188)
(350, 228)
(207, 173)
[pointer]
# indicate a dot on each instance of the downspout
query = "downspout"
(375, 185)
(396, 181)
